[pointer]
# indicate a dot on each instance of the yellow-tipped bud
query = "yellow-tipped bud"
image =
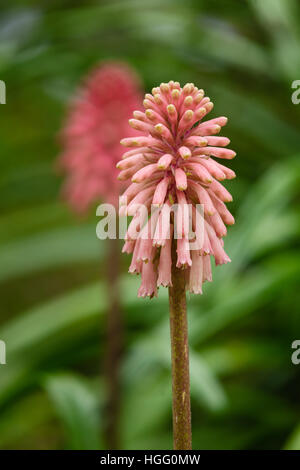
(146, 103)
(188, 101)
(200, 112)
(209, 106)
(188, 88)
(184, 152)
(157, 99)
(171, 109)
(188, 115)
(164, 88)
(135, 124)
(149, 113)
(175, 94)
(139, 115)
(159, 128)
(199, 96)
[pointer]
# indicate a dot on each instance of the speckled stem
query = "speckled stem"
(182, 433)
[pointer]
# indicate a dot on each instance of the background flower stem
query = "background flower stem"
(113, 347)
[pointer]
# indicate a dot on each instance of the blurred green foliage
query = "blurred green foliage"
(245, 390)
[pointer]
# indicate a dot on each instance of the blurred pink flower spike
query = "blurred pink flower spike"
(97, 119)
(171, 163)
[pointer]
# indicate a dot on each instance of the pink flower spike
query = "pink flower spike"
(177, 169)
(97, 119)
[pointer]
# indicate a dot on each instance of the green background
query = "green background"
(245, 389)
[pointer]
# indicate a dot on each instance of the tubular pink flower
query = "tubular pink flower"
(149, 281)
(97, 119)
(172, 163)
(196, 273)
(165, 263)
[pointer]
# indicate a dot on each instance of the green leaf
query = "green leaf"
(76, 405)
(152, 353)
(147, 406)
(55, 248)
(293, 441)
(44, 332)
(205, 386)
(25, 418)
(22, 223)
